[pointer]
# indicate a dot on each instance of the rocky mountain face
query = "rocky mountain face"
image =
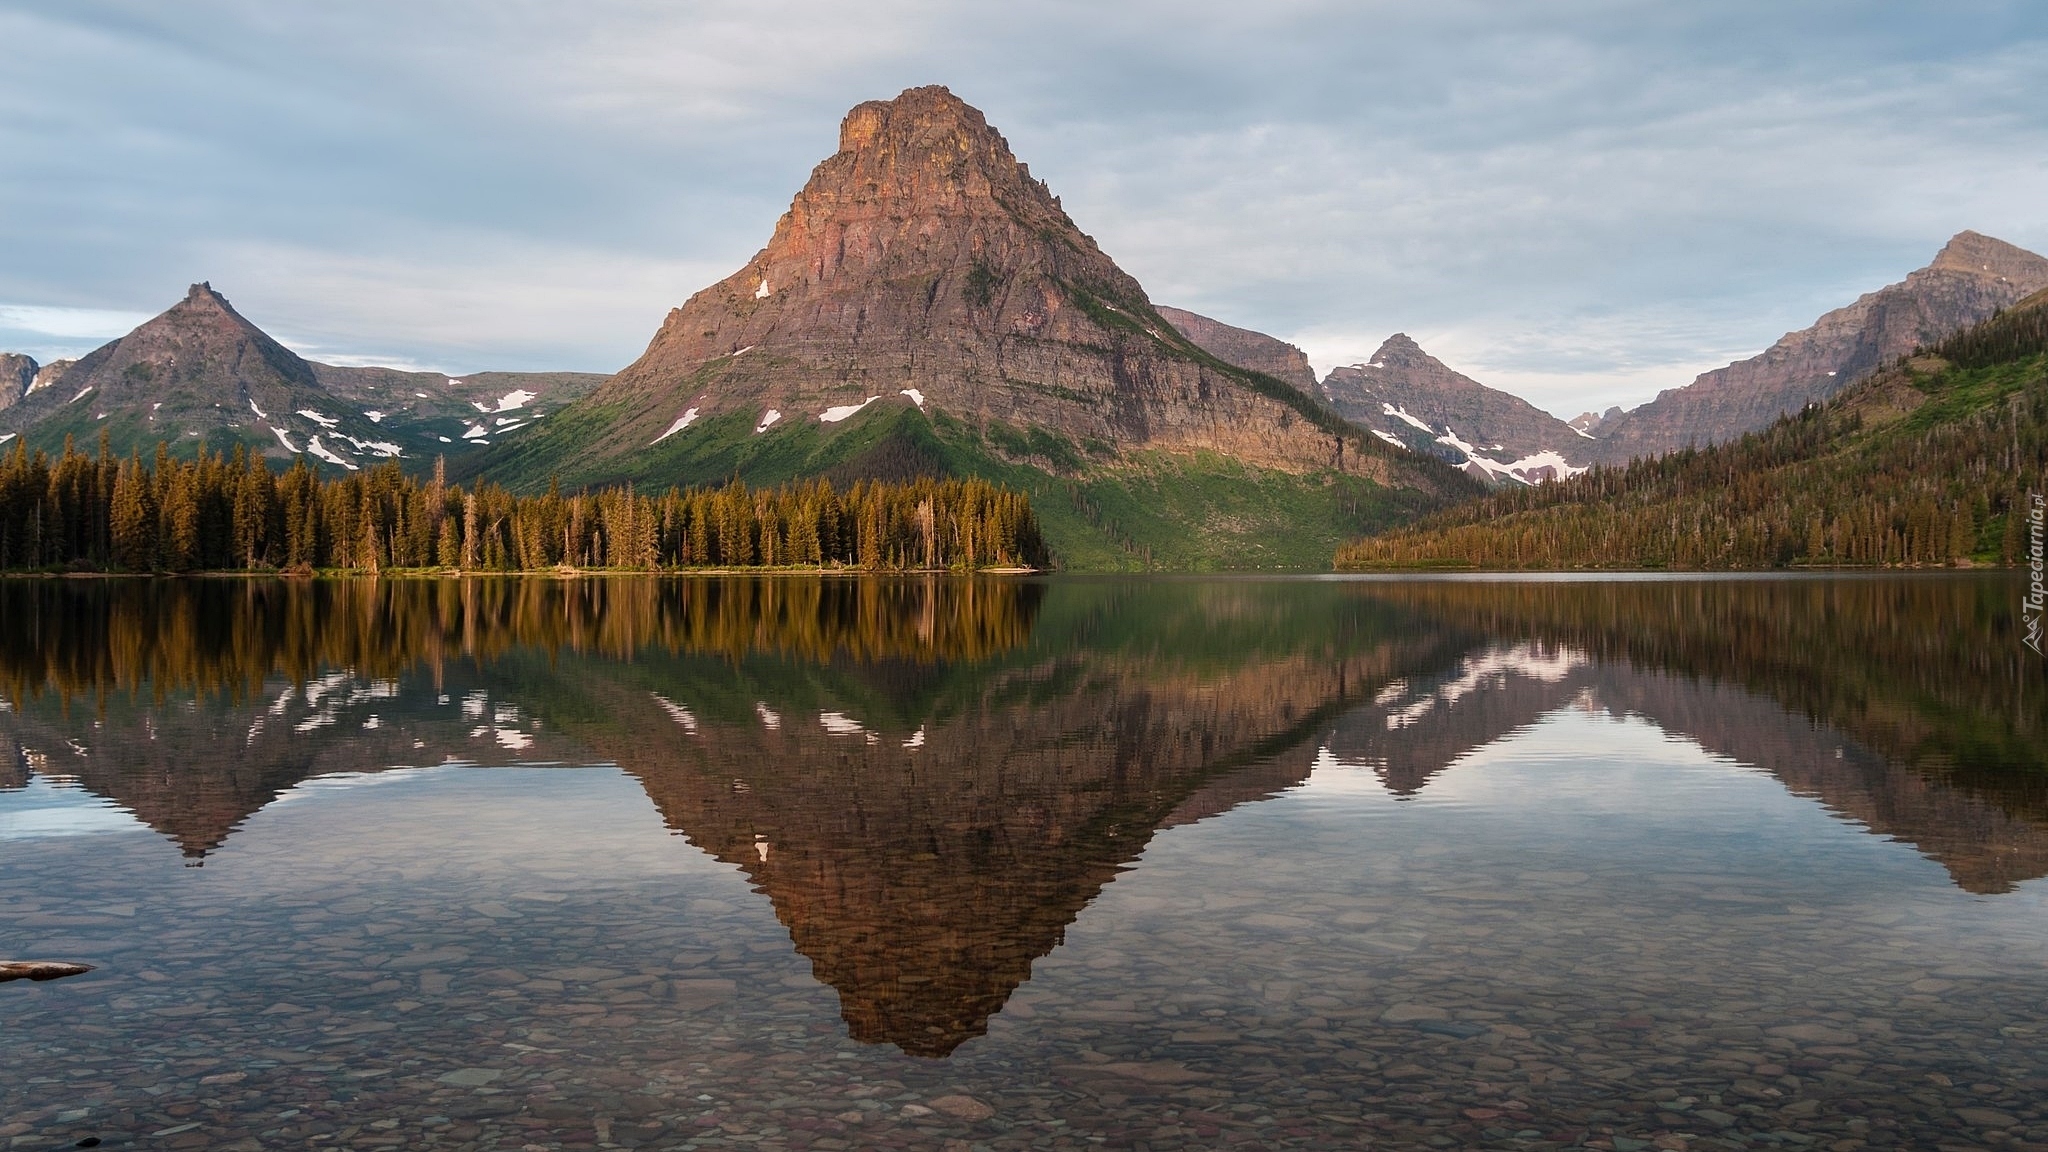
(1592, 422)
(923, 271)
(201, 374)
(17, 372)
(1409, 398)
(1243, 347)
(1970, 278)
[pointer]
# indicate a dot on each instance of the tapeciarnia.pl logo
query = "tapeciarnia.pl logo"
(2037, 571)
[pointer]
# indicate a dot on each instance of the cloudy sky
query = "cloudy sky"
(1583, 201)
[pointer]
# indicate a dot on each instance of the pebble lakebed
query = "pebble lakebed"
(1314, 971)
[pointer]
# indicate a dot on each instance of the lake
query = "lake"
(830, 863)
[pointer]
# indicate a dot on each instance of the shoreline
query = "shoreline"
(561, 572)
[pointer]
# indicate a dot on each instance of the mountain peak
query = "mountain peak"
(1402, 348)
(927, 112)
(1406, 396)
(924, 282)
(924, 167)
(1970, 279)
(1978, 254)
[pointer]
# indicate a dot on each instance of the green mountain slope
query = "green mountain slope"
(1930, 461)
(1099, 510)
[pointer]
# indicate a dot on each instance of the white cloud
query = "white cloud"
(1575, 198)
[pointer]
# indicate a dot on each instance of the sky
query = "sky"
(1580, 201)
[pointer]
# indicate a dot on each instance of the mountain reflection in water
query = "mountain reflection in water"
(930, 778)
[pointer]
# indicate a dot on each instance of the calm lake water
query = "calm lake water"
(954, 864)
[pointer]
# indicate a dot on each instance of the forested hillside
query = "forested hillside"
(1929, 462)
(102, 513)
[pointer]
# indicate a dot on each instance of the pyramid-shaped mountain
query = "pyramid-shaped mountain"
(1972, 277)
(926, 304)
(1406, 396)
(202, 375)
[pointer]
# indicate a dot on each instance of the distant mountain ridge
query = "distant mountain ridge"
(1931, 461)
(201, 375)
(1245, 348)
(1406, 396)
(1972, 277)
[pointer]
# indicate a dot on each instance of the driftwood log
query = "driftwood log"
(39, 970)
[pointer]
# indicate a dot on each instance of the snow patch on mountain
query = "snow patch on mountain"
(328, 454)
(1401, 414)
(840, 412)
(684, 421)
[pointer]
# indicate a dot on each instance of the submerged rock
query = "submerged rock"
(39, 970)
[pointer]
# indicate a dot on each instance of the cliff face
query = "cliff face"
(1971, 278)
(1245, 348)
(1405, 395)
(922, 267)
(17, 372)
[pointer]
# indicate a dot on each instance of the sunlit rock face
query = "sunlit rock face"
(922, 266)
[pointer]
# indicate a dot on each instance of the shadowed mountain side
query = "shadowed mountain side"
(17, 372)
(924, 872)
(202, 375)
(1254, 351)
(1969, 280)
